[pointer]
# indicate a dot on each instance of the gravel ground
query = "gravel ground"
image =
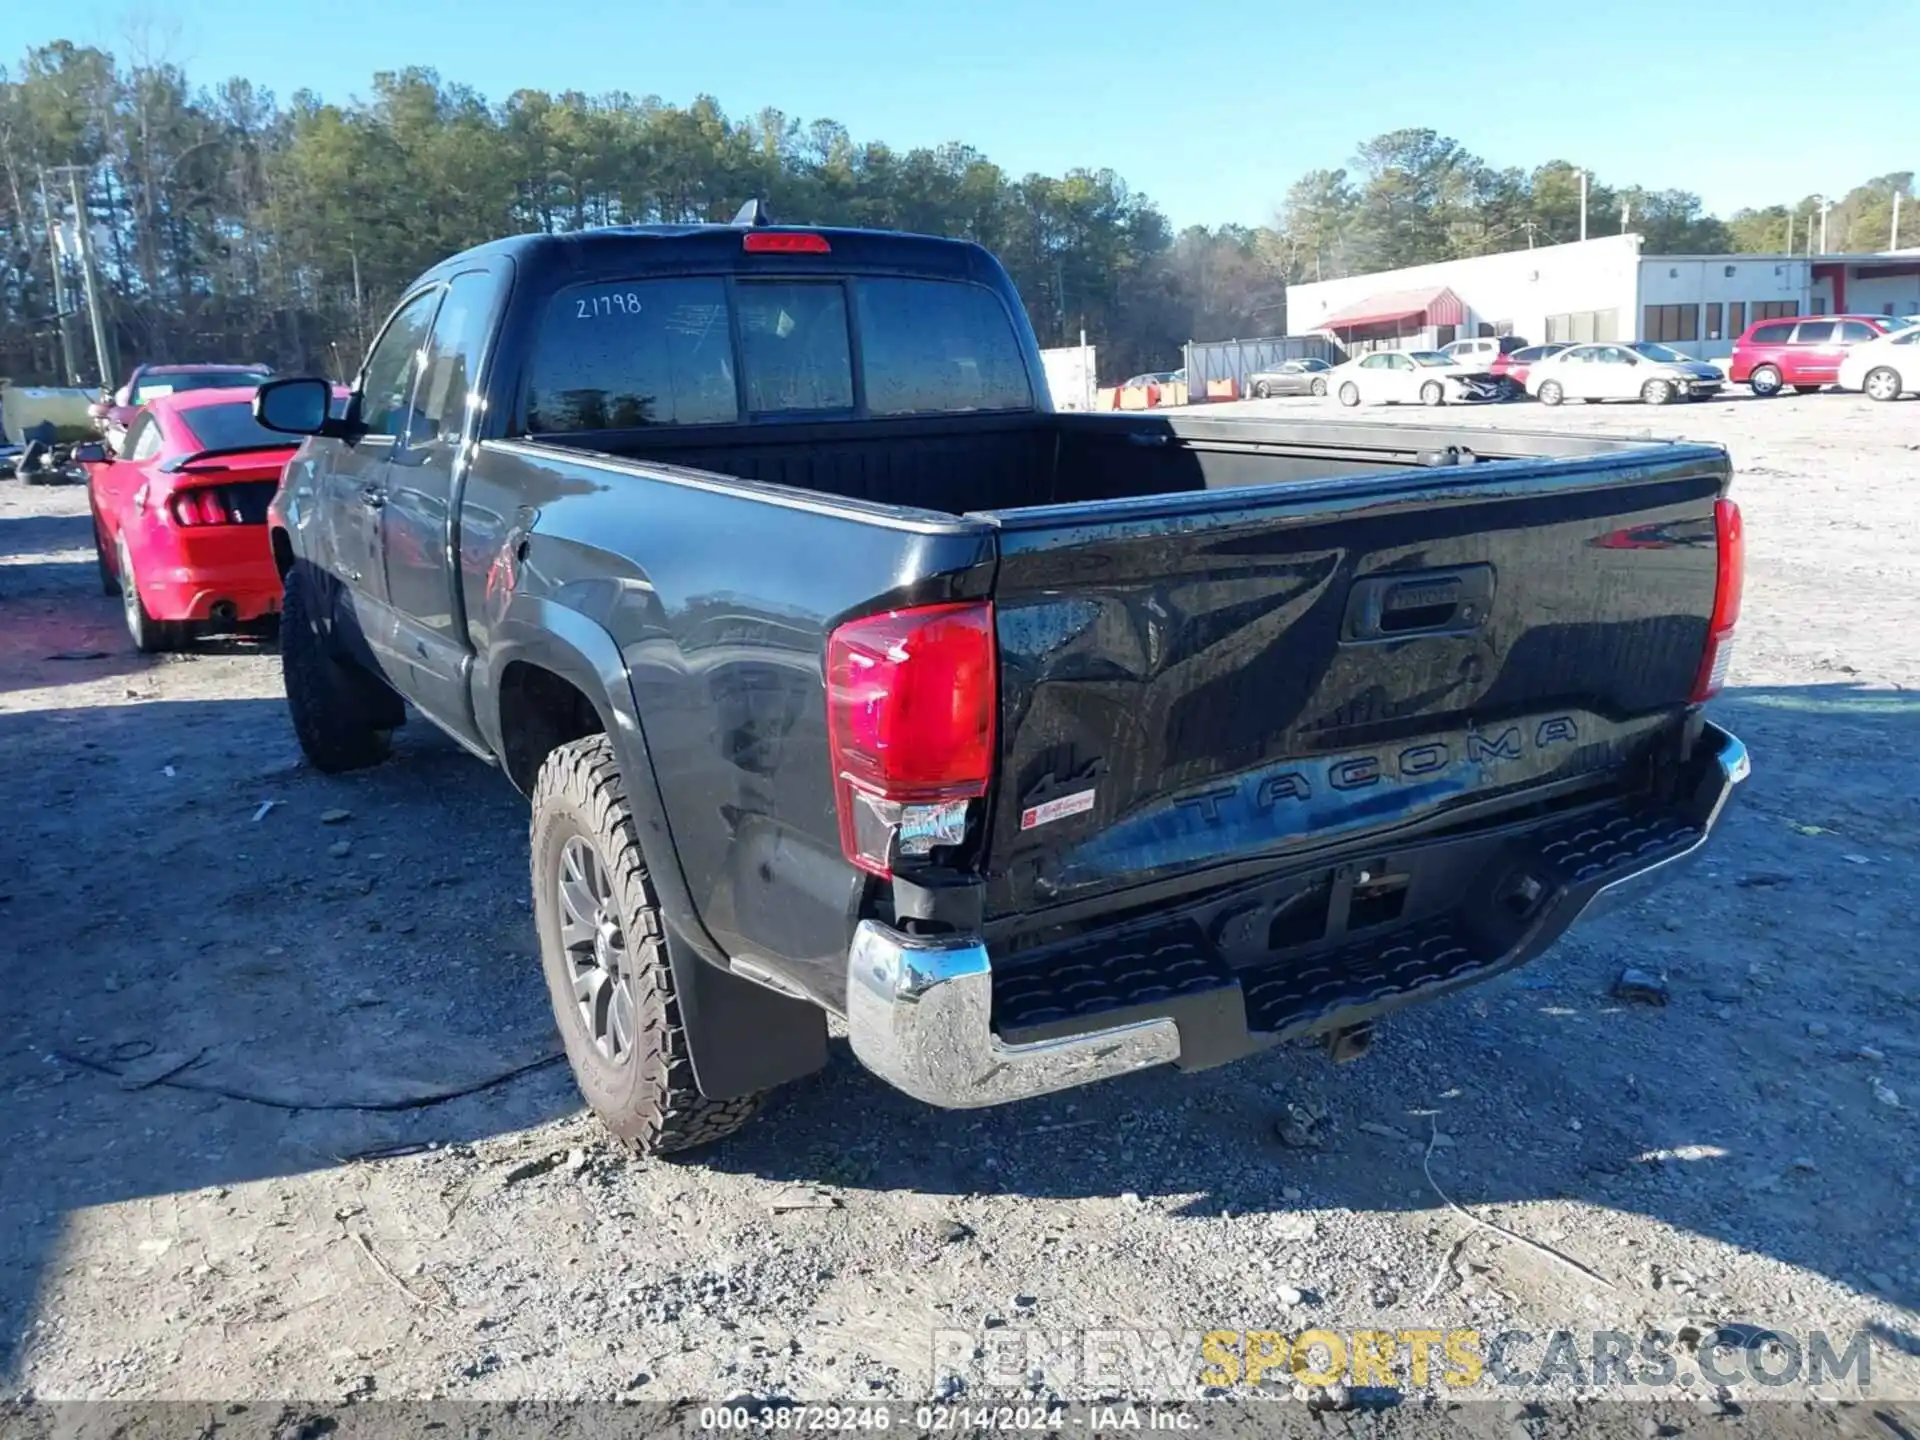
(226, 1037)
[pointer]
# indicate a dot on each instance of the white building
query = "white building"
(1601, 289)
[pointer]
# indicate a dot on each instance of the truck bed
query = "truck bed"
(966, 463)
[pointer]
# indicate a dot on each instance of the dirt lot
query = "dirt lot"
(213, 1020)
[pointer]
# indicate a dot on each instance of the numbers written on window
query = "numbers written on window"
(606, 303)
(660, 354)
(626, 354)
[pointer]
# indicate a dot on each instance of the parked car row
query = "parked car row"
(1878, 355)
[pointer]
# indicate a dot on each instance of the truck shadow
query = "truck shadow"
(162, 920)
(161, 928)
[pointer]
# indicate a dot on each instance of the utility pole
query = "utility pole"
(1825, 206)
(1893, 233)
(67, 369)
(1583, 204)
(1789, 232)
(83, 242)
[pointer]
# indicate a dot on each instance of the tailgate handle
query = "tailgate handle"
(1422, 602)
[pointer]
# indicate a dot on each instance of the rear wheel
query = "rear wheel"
(1433, 393)
(1551, 393)
(149, 636)
(1882, 383)
(1349, 394)
(1320, 388)
(342, 716)
(1657, 392)
(602, 947)
(1764, 381)
(1262, 390)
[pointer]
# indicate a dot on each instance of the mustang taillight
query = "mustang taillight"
(204, 506)
(911, 698)
(1730, 568)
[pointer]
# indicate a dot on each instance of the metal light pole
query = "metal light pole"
(67, 369)
(1583, 204)
(83, 241)
(1893, 233)
(1825, 206)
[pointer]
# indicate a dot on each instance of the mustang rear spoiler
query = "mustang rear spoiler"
(181, 462)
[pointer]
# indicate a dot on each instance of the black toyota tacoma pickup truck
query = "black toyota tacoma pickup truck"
(846, 678)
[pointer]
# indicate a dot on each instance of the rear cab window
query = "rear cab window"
(706, 350)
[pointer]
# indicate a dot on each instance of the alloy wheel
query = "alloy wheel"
(596, 950)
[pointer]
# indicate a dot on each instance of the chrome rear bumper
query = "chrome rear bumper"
(920, 1010)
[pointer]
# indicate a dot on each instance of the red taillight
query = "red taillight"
(911, 697)
(206, 506)
(784, 242)
(1730, 568)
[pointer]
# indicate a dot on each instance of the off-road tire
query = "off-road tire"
(647, 1097)
(343, 717)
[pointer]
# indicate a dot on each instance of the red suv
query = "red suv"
(1803, 351)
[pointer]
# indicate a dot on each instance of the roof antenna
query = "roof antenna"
(753, 214)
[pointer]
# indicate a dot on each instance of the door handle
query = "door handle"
(373, 497)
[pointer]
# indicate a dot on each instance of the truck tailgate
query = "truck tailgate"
(1199, 687)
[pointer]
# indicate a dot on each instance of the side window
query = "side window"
(143, 441)
(386, 380)
(1374, 362)
(1853, 332)
(1813, 332)
(1772, 334)
(1399, 362)
(452, 355)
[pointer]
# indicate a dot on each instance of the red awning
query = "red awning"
(1432, 306)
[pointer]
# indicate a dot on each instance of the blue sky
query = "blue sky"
(1210, 109)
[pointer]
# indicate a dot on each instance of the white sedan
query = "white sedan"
(1407, 377)
(1637, 370)
(1886, 368)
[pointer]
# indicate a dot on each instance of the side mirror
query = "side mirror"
(89, 452)
(297, 407)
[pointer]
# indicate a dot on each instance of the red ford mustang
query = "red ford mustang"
(180, 519)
